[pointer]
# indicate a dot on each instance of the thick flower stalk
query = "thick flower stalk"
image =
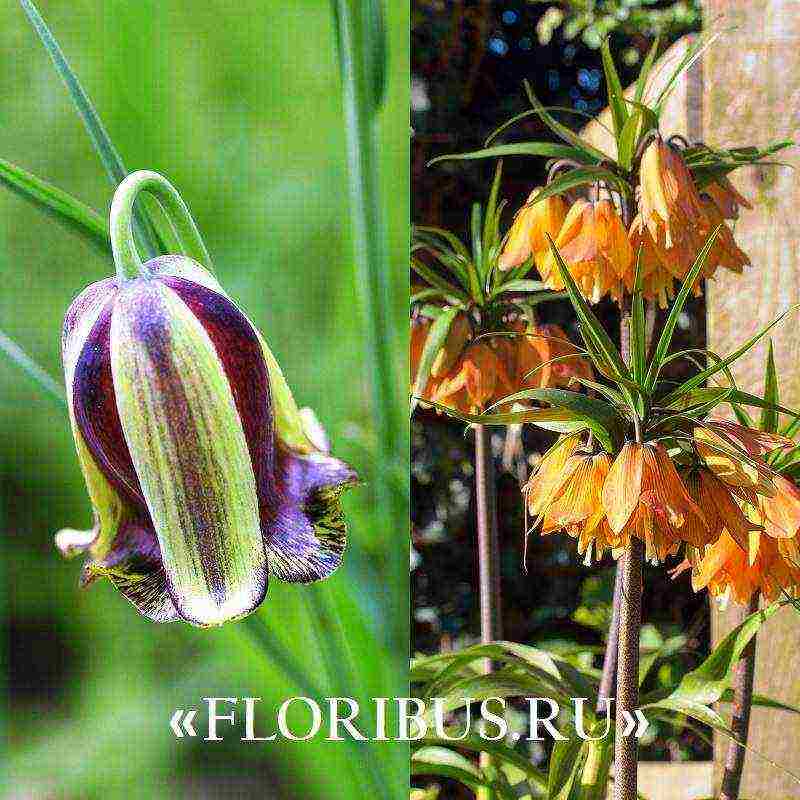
(201, 474)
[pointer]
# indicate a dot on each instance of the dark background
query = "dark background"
(468, 63)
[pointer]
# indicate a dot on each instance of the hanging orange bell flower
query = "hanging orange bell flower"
(575, 504)
(720, 508)
(669, 202)
(725, 197)
(456, 340)
(724, 252)
(658, 267)
(420, 328)
(533, 352)
(548, 477)
(533, 223)
(477, 379)
(644, 497)
(594, 245)
(717, 444)
(780, 514)
(731, 570)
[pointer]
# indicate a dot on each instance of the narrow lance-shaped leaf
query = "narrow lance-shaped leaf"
(769, 414)
(616, 100)
(704, 375)
(540, 149)
(562, 131)
(146, 230)
(69, 211)
(433, 344)
(592, 331)
(668, 330)
(533, 112)
(582, 176)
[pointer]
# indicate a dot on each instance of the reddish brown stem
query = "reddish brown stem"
(743, 677)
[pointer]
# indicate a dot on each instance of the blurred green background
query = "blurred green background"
(239, 105)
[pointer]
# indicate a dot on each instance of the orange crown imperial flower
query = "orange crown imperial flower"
(533, 223)
(719, 443)
(780, 514)
(669, 202)
(644, 497)
(730, 570)
(594, 245)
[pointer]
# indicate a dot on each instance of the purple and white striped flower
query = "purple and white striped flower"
(202, 475)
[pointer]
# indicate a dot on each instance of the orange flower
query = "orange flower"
(595, 247)
(477, 379)
(725, 197)
(669, 202)
(719, 506)
(548, 477)
(457, 337)
(718, 443)
(533, 351)
(657, 279)
(528, 234)
(729, 570)
(575, 504)
(644, 497)
(562, 372)
(420, 328)
(724, 252)
(780, 514)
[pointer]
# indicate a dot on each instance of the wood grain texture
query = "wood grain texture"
(747, 91)
(751, 95)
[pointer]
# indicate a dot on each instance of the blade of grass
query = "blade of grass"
(355, 27)
(67, 210)
(146, 231)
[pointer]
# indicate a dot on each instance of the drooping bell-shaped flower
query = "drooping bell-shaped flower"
(201, 470)
(533, 223)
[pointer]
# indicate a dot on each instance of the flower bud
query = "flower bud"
(200, 472)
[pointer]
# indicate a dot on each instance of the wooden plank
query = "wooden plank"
(751, 95)
(659, 780)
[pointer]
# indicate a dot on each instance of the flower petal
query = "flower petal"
(189, 450)
(307, 535)
(623, 486)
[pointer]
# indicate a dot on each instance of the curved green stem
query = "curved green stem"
(123, 245)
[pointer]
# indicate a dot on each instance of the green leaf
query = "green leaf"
(596, 767)
(762, 701)
(33, 370)
(566, 762)
(705, 374)
(644, 73)
(524, 285)
(436, 280)
(601, 418)
(67, 210)
(542, 149)
(706, 684)
(500, 753)
(769, 414)
(437, 336)
(146, 233)
(446, 763)
(533, 112)
(616, 96)
(665, 340)
(690, 57)
(491, 207)
(562, 131)
(638, 326)
(477, 243)
(582, 176)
